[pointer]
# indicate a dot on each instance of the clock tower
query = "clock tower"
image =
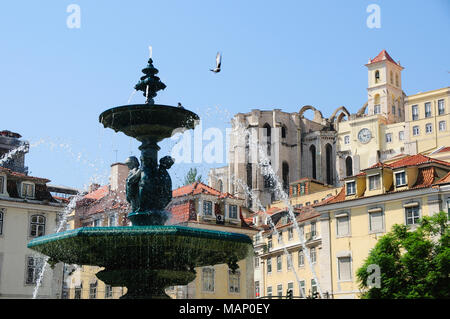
(385, 95)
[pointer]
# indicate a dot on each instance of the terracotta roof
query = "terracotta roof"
(425, 177)
(340, 197)
(23, 176)
(180, 213)
(415, 160)
(199, 188)
(383, 55)
(444, 149)
(98, 193)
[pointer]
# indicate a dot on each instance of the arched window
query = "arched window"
(220, 184)
(396, 79)
(377, 76)
(37, 226)
(285, 173)
(312, 151)
(377, 106)
(329, 161)
(348, 166)
(268, 136)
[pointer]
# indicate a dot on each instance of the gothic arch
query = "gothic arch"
(343, 111)
(318, 117)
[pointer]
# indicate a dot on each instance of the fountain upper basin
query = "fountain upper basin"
(143, 121)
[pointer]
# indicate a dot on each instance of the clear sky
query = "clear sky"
(56, 80)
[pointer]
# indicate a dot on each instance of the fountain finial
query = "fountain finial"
(150, 83)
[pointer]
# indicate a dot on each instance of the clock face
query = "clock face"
(364, 135)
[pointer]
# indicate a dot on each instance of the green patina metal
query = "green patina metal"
(148, 256)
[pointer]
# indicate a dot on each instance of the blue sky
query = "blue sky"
(55, 81)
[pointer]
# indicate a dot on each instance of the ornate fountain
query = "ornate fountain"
(148, 256)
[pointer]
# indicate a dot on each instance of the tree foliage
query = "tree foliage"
(413, 263)
(191, 176)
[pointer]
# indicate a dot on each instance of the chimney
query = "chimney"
(93, 187)
(118, 178)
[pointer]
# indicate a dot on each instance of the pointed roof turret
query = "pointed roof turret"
(383, 55)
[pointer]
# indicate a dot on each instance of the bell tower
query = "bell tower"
(385, 95)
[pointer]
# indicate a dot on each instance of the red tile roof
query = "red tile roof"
(444, 180)
(416, 160)
(383, 55)
(443, 150)
(23, 176)
(180, 213)
(98, 193)
(199, 188)
(425, 177)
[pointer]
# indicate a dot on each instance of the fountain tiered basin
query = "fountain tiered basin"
(148, 256)
(145, 259)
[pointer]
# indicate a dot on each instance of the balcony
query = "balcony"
(311, 236)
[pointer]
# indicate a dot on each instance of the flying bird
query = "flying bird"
(218, 63)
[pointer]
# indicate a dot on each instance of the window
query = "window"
(279, 263)
(301, 258)
(412, 215)
(108, 291)
(283, 132)
(97, 222)
(313, 286)
(349, 166)
(400, 179)
(399, 111)
(290, 233)
(290, 287)
(428, 128)
(269, 265)
(313, 230)
(34, 267)
(344, 268)
(1, 220)
(257, 289)
(232, 211)
(377, 76)
(93, 290)
(312, 253)
(289, 261)
(416, 130)
(234, 281)
(374, 182)
(347, 139)
(342, 225)
(376, 220)
(27, 190)
(37, 226)
(269, 242)
(78, 290)
(280, 237)
(428, 109)
(257, 262)
(280, 290)
(2, 184)
(415, 112)
(388, 137)
(302, 288)
(207, 207)
(391, 77)
(441, 107)
(376, 109)
(208, 279)
(442, 126)
(396, 79)
(401, 135)
(112, 220)
(269, 292)
(393, 109)
(351, 188)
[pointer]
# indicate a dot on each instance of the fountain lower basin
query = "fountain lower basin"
(145, 259)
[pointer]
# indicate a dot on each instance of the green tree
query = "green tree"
(412, 263)
(191, 176)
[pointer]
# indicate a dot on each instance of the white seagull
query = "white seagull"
(218, 63)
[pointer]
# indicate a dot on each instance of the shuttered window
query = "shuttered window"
(344, 268)
(343, 226)
(376, 221)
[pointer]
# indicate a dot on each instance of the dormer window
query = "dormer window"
(350, 188)
(27, 190)
(400, 179)
(374, 182)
